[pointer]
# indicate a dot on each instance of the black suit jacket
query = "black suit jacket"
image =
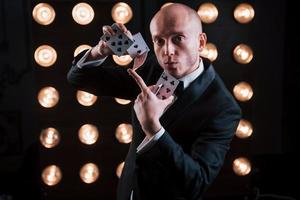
(199, 128)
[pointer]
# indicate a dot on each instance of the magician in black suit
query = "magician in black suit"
(179, 143)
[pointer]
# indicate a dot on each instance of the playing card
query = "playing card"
(165, 86)
(138, 47)
(119, 42)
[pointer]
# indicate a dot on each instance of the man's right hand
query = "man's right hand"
(101, 50)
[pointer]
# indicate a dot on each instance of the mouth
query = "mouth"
(170, 63)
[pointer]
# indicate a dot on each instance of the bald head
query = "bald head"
(175, 13)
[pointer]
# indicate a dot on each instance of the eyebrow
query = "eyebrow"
(175, 33)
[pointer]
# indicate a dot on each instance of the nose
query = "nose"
(169, 48)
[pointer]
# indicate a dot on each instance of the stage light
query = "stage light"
(49, 137)
(81, 48)
(83, 13)
(124, 133)
(244, 129)
(88, 134)
(122, 60)
(51, 175)
(120, 169)
(208, 13)
(45, 55)
(85, 98)
(244, 13)
(89, 173)
(43, 13)
(243, 91)
(210, 52)
(241, 166)
(166, 4)
(122, 101)
(121, 13)
(242, 54)
(48, 97)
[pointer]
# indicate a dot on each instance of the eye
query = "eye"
(177, 39)
(159, 41)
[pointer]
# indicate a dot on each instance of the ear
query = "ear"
(202, 41)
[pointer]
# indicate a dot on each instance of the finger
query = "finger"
(152, 88)
(124, 30)
(169, 100)
(128, 33)
(139, 81)
(103, 48)
(139, 60)
(107, 30)
(122, 27)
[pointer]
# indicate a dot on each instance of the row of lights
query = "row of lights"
(48, 97)
(88, 134)
(88, 173)
(121, 12)
(82, 13)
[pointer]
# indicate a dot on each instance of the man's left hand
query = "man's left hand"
(148, 107)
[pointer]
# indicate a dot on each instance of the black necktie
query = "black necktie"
(179, 89)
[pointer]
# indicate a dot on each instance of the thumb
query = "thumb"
(169, 100)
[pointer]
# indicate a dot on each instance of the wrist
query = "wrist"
(96, 53)
(151, 128)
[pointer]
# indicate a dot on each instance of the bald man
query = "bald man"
(179, 143)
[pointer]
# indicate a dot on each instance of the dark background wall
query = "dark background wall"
(273, 73)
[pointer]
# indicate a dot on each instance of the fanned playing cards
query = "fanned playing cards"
(121, 44)
(118, 43)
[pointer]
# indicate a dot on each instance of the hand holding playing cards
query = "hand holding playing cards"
(115, 38)
(148, 107)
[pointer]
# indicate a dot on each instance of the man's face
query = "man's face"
(176, 45)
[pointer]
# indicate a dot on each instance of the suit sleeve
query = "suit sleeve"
(195, 170)
(103, 80)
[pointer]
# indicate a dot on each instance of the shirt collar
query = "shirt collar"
(189, 78)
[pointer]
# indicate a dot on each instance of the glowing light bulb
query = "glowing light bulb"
(48, 97)
(122, 101)
(244, 129)
(120, 169)
(51, 175)
(88, 134)
(49, 137)
(208, 13)
(241, 166)
(85, 98)
(210, 52)
(89, 173)
(243, 54)
(124, 133)
(83, 13)
(43, 13)
(244, 13)
(45, 55)
(243, 91)
(121, 13)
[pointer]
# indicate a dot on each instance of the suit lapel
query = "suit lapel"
(190, 95)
